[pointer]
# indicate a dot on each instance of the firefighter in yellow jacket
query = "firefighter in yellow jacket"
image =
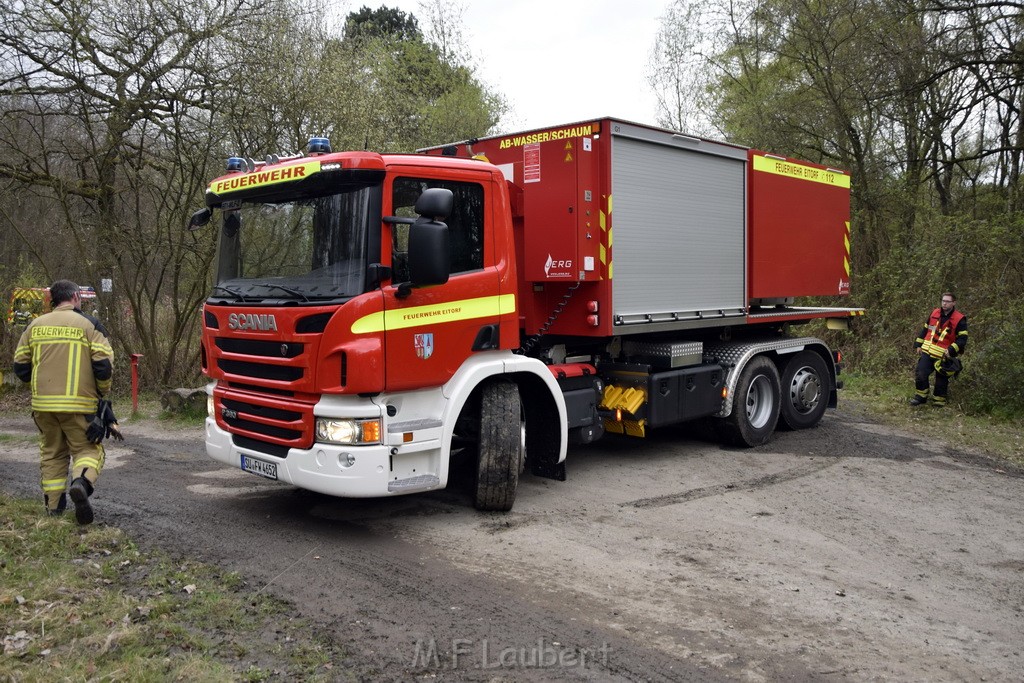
(67, 358)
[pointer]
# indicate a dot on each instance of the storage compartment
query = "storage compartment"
(581, 399)
(630, 229)
(680, 226)
(799, 229)
(680, 395)
(664, 355)
(578, 383)
(581, 407)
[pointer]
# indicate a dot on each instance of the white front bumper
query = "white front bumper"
(323, 468)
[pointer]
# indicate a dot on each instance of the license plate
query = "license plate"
(260, 467)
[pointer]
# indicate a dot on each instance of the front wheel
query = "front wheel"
(755, 409)
(500, 448)
(804, 391)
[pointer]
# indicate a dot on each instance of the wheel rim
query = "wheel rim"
(759, 402)
(805, 390)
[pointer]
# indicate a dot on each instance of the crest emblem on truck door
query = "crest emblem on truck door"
(424, 344)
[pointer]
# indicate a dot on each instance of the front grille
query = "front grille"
(262, 411)
(260, 390)
(265, 418)
(255, 347)
(280, 373)
(266, 430)
(264, 395)
(260, 446)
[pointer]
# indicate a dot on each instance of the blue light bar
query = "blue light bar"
(236, 164)
(319, 146)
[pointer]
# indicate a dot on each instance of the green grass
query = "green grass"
(83, 603)
(149, 407)
(19, 439)
(888, 403)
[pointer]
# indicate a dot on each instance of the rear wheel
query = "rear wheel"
(804, 391)
(755, 409)
(500, 446)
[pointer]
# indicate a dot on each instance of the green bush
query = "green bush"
(982, 262)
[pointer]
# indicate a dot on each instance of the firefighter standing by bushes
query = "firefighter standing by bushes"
(67, 358)
(941, 341)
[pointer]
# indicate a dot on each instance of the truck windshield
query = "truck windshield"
(311, 249)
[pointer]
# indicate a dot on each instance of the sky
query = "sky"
(560, 61)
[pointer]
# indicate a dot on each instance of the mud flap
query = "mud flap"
(548, 470)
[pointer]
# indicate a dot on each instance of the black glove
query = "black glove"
(103, 424)
(105, 411)
(114, 432)
(96, 430)
(950, 367)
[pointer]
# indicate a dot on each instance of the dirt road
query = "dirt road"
(848, 552)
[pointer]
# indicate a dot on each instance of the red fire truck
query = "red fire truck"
(383, 323)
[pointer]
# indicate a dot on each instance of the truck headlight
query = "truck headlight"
(334, 430)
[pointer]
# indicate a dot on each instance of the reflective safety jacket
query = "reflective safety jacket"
(68, 360)
(940, 334)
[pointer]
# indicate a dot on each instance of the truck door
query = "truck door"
(429, 334)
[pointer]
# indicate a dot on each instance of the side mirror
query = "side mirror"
(435, 203)
(429, 257)
(200, 218)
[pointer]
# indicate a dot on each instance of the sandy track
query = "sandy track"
(849, 551)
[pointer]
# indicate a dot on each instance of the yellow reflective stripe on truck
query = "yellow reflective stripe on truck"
(800, 171)
(418, 316)
(846, 242)
(605, 248)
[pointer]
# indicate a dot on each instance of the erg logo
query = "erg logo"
(558, 268)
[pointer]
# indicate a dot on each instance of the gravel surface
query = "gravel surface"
(851, 551)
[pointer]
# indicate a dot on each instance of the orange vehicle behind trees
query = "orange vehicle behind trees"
(28, 303)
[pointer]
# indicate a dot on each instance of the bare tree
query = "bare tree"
(983, 43)
(115, 116)
(444, 27)
(685, 63)
(107, 128)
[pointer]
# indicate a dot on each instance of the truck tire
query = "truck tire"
(500, 447)
(804, 391)
(755, 409)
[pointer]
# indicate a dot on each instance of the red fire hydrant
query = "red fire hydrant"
(135, 382)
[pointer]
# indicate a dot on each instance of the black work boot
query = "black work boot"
(80, 491)
(918, 400)
(62, 504)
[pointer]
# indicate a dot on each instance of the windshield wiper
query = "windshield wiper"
(229, 291)
(293, 292)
